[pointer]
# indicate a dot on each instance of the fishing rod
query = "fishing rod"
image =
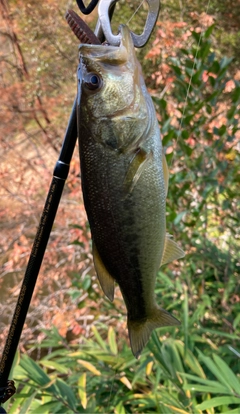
(60, 173)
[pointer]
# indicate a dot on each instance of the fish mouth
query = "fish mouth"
(123, 115)
(114, 55)
(120, 71)
(120, 105)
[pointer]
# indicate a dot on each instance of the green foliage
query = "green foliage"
(193, 369)
(204, 152)
(100, 378)
(202, 207)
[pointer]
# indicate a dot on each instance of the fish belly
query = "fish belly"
(128, 229)
(128, 226)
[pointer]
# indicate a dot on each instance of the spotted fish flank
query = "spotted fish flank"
(124, 182)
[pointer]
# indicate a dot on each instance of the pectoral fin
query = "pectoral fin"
(105, 279)
(171, 250)
(165, 173)
(138, 164)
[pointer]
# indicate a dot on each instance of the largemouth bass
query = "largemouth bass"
(124, 182)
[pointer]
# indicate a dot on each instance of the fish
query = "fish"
(124, 177)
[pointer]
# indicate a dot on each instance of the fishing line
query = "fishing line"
(140, 5)
(189, 86)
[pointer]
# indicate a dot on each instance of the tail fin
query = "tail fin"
(140, 331)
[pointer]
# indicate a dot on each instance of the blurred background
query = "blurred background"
(191, 68)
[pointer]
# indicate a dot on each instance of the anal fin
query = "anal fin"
(171, 250)
(105, 279)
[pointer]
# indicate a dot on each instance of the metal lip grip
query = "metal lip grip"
(138, 40)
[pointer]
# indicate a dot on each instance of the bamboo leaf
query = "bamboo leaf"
(19, 399)
(232, 411)
(190, 360)
(48, 408)
(156, 348)
(219, 333)
(36, 374)
(214, 369)
(206, 382)
(149, 368)
(218, 401)
(206, 388)
(99, 338)
(27, 403)
(119, 409)
(185, 319)
(90, 367)
(54, 365)
(176, 358)
(126, 382)
(112, 341)
(66, 393)
(82, 389)
(176, 409)
(228, 374)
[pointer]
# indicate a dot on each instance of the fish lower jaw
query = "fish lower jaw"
(125, 116)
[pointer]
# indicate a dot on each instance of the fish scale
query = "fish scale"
(124, 182)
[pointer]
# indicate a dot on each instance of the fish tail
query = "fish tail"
(140, 331)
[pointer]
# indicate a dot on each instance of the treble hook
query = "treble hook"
(138, 40)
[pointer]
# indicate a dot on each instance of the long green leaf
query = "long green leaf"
(214, 369)
(218, 401)
(20, 399)
(228, 374)
(112, 341)
(219, 333)
(54, 365)
(176, 360)
(205, 382)
(66, 393)
(34, 371)
(36, 374)
(185, 320)
(190, 360)
(82, 382)
(220, 389)
(49, 408)
(119, 408)
(99, 338)
(155, 347)
(27, 403)
(90, 367)
(140, 371)
(232, 411)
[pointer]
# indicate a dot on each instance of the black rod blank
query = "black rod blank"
(60, 174)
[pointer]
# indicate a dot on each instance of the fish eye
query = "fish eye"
(92, 81)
